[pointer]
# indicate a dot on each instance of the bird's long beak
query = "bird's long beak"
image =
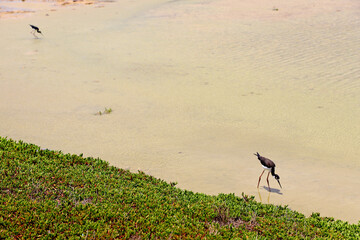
(279, 183)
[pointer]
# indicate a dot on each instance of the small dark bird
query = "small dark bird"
(35, 29)
(269, 166)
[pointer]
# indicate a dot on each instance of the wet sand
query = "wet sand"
(25, 8)
(196, 88)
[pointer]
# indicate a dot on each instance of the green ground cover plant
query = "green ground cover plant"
(47, 194)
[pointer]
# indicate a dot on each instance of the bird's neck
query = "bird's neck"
(273, 171)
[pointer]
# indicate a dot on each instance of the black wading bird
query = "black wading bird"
(35, 29)
(269, 166)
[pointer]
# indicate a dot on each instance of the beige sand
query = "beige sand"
(197, 87)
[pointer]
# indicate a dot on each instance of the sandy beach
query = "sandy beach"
(196, 87)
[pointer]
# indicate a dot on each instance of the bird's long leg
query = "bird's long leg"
(33, 33)
(260, 178)
(267, 179)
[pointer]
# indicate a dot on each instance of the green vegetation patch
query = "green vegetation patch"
(106, 111)
(48, 194)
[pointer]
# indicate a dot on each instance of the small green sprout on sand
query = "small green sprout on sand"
(106, 111)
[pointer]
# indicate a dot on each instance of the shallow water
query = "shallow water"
(196, 88)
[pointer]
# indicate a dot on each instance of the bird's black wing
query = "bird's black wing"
(266, 162)
(34, 27)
